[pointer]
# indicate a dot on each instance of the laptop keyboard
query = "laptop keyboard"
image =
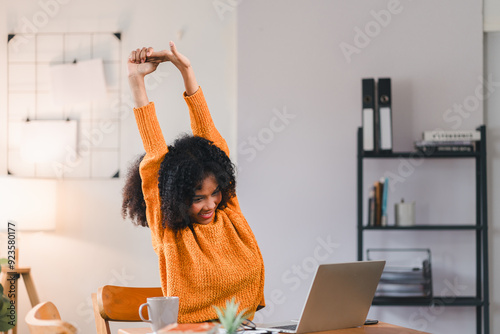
(287, 327)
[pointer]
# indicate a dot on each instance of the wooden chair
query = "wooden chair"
(121, 304)
(44, 318)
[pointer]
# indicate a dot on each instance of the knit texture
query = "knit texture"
(211, 263)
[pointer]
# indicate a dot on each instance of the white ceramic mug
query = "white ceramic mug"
(162, 311)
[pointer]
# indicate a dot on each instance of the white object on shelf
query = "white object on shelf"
(405, 213)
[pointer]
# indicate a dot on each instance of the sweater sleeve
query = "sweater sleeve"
(156, 148)
(202, 124)
(149, 128)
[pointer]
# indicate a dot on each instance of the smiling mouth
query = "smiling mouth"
(207, 215)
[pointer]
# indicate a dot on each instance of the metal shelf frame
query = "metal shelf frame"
(481, 300)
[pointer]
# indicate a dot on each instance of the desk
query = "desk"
(380, 328)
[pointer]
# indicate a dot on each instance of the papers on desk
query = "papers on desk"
(196, 328)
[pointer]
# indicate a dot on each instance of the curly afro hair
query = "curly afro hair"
(133, 204)
(188, 162)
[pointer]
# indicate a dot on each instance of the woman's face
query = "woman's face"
(205, 201)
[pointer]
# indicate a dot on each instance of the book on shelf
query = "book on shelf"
(445, 146)
(385, 193)
(405, 285)
(431, 149)
(420, 143)
(398, 290)
(377, 203)
(407, 274)
(371, 208)
(450, 135)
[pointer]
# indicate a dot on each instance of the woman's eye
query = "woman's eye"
(216, 192)
(196, 199)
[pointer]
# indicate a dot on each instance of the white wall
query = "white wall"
(297, 181)
(93, 246)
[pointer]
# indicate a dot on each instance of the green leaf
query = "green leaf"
(229, 317)
(6, 321)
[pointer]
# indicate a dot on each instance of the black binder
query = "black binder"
(368, 114)
(384, 115)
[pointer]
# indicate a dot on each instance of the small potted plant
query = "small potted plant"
(229, 317)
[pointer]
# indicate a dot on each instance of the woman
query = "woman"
(186, 195)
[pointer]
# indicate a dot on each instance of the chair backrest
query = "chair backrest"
(118, 303)
(44, 318)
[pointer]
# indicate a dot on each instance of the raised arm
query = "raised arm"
(138, 68)
(184, 66)
(202, 124)
(201, 120)
(152, 137)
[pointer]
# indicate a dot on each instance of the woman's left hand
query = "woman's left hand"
(175, 57)
(179, 60)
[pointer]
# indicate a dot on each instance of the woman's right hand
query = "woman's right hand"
(138, 66)
(175, 57)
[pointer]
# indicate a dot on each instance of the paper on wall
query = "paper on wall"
(48, 141)
(78, 82)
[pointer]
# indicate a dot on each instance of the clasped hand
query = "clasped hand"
(145, 61)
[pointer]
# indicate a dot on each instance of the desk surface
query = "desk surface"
(380, 328)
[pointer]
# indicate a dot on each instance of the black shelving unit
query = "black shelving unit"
(481, 300)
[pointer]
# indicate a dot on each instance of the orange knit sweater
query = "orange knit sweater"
(214, 262)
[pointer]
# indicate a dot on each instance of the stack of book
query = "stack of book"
(377, 203)
(408, 278)
(404, 282)
(448, 141)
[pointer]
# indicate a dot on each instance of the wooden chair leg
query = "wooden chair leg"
(30, 287)
(102, 325)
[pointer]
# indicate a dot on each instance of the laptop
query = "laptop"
(340, 297)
